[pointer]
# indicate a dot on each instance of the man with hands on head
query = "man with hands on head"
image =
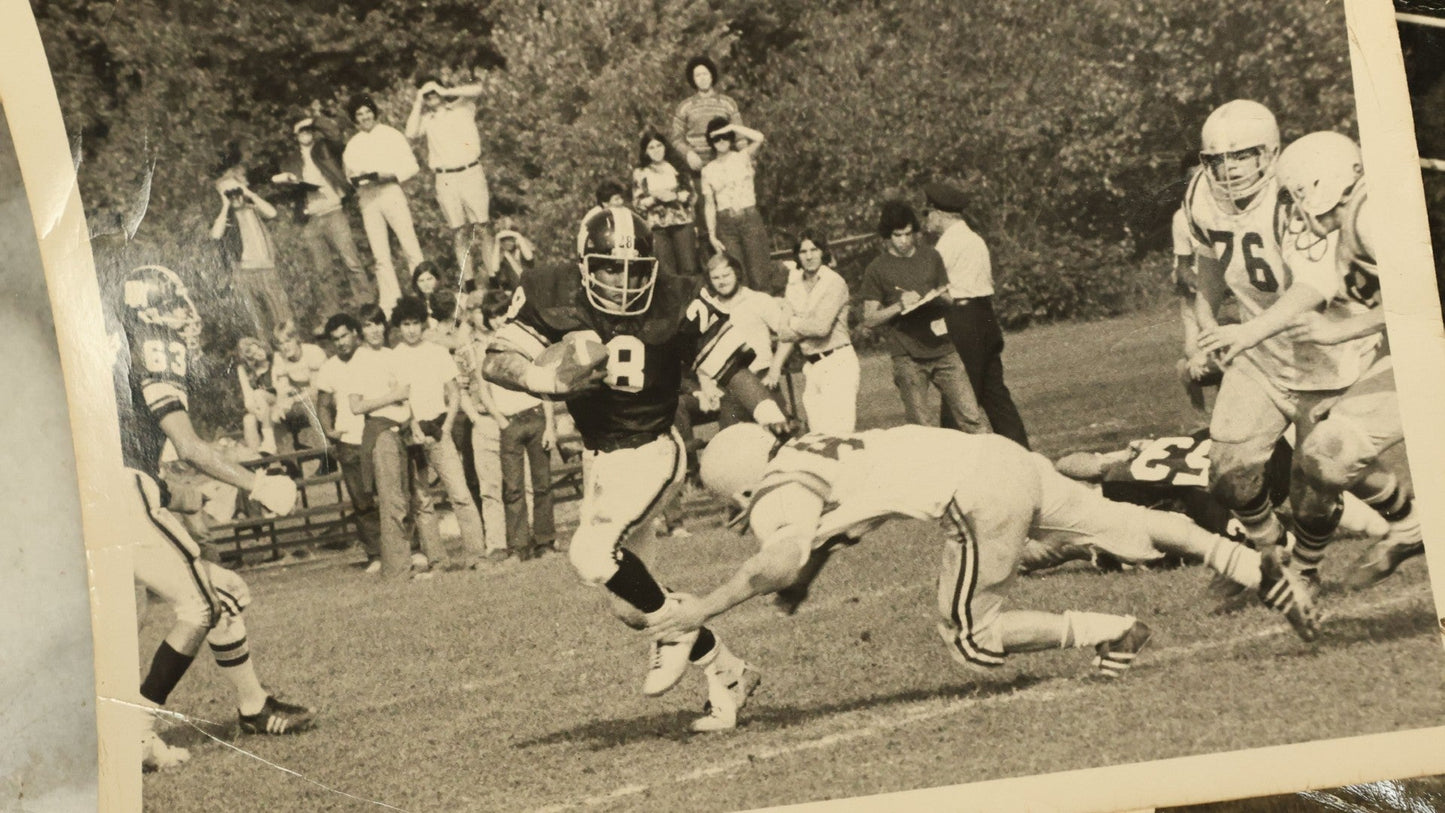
(447, 117)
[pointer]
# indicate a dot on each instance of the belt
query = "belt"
(633, 441)
(814, 358)
(445, 170)
(964, 300)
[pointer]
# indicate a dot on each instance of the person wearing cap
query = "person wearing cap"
(972, 325)
(447, 118)
(247, 250)
(378, 160)
(320, 188)
(816, 322)
(894, 289)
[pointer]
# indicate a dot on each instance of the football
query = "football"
(574, 362)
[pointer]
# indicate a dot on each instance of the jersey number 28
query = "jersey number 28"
(625, 363)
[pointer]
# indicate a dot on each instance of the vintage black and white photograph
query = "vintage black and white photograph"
(734, 404)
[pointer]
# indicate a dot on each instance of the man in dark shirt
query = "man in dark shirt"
(901, 292)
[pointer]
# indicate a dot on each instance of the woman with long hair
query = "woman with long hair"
(664, 197)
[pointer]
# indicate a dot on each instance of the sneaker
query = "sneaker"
(1116, 656)
(277, 717)
(156, 755)
(420, 562)
(373, 567)
(668, 662)
(1380, 560)
(1230, 597)
(1284, 591)
(737, 688)
(680, 532)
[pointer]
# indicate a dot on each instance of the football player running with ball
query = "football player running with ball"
(615, 349)
(162, 330)
(1270, 381)
(1329, 245)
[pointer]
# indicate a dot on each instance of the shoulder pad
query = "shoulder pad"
(1190, 195)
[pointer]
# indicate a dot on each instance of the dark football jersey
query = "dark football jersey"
(151, 383)
(1172, 473)
(648, 354)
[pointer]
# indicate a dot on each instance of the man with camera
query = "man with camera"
(247, 250)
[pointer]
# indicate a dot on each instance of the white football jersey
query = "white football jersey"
(869, 477)
(1247, 243)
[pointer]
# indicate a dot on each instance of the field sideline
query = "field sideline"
(516, 691)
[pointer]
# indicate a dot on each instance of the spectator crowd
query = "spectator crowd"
(398, 399)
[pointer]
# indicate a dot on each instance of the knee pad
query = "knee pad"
(1334, 456)
(232, 592)
(1239, 485)
(593, 554)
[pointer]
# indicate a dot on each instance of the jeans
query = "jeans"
(264, 298)
(522, 441)
(397, 484)
(676, 250)
(443, 458)
(384, 209)
(912, 376)
(487, 455)
(367, 522)
(746, 238)
(324, 233)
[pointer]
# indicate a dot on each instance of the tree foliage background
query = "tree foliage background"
(1067, 123)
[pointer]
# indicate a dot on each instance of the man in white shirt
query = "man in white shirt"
(972, 324)
(383, 398)
(447, 117)
(428, 372)
(378, 160)
(816, 322)
(335, 384)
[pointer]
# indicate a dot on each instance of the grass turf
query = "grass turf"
(516, 690)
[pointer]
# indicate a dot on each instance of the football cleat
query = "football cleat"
(737, 688)
(669, 661)
(278, 717)
(1380, 560)
(156, 755)
(1116, 656)
(1285, 592)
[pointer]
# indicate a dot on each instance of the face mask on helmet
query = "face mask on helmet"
(619, 272)
(1319, 173)
(1239, 144)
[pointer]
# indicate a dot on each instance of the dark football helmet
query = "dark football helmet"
(619, 270)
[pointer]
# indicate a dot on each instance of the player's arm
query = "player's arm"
(277, 493)
(1211, 290)
(1089, 466)
(1313, 327)
(785, 520)
(1314, 282)
(724, 358)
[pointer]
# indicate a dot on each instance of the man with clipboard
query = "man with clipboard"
(900, 291)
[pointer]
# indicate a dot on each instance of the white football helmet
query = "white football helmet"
(616, 241)
(155, 295)
(1238, 147)
(732, 465)
(1319, 171)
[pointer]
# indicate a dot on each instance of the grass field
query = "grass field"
(516, 691)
